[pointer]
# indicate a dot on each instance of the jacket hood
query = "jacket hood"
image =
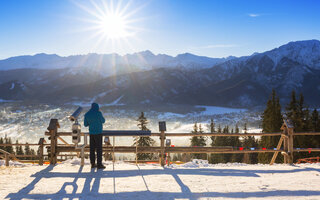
(95, 107)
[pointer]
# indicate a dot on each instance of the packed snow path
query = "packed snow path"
(146, 181)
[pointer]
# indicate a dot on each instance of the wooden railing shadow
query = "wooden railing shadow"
(92, 191)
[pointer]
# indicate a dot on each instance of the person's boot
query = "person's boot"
(93, 166)
(101, 166)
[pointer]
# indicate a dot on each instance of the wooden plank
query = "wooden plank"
(168, 159)
(162, 148)
(200, 134)
(63, 141)
(4, 152)
(132, 149)
(7, 159)
(276, 153)
(53, 146)
(285, 148)
(118, 135)
(22, 145)
(306, 133)
(306, 150)
(41, 154)
(221, 134)
(27, 156)
(290, 145)
(126, 133)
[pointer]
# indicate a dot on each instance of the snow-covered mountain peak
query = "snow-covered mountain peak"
(306, 52)
(146, 53)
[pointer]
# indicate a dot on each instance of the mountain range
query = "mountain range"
(147, 79)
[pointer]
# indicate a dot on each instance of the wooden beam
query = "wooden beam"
(53, 129)
(132, 149)
(276, 153)
(306, 150)
(22, 145)
(199, 134)
(62, 140)
(162, 148)
(221, 134)
(7, 159)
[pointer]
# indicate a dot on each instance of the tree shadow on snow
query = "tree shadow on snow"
(92, 191)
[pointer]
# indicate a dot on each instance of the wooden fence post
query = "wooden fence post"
(162, 129)
(168, 159)
(290, 141)
(41, 141)
(53, 129)
(7, 159)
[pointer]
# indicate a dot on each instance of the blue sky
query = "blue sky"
(215, 28)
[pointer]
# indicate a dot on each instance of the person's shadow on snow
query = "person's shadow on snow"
(92, 191)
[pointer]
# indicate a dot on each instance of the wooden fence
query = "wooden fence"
(55, 149)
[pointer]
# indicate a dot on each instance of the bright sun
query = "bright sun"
(114, 26)
(111, 21)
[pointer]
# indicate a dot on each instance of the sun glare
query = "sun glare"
(111, 21)
(113, 26)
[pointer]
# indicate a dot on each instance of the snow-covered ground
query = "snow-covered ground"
(194, 180)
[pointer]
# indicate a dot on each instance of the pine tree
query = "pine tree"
(219, 142)
(33, 152)
(212, 130)
(315, 127)
(143, 141)
(198, 141)
(245, 129)
(19, 150)
(249, 142)
(300, 118)
(9, 149)
(271, 122)
(234, 141)
(212, 126)
(27, 151)
(315, 122)
(1, 142)
(236, 129)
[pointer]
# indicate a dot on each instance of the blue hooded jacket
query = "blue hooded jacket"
(94, 119)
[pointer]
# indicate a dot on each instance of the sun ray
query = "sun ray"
(111, 25)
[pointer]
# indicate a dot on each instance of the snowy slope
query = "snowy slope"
(196, 180)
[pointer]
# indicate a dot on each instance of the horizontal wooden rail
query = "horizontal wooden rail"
(126, 149)
(306, 150)
(199, 134)
(306, 133)
(86, 133)
(23, 145)
(221, 134)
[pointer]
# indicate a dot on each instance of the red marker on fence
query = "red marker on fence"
(309, 151)
(264, 148)
(241, 148)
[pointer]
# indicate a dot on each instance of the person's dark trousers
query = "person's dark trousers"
(96, 146)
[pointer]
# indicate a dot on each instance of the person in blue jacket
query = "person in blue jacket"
(94, 119)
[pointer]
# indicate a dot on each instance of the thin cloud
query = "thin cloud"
(217, 46)
(254, 15)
